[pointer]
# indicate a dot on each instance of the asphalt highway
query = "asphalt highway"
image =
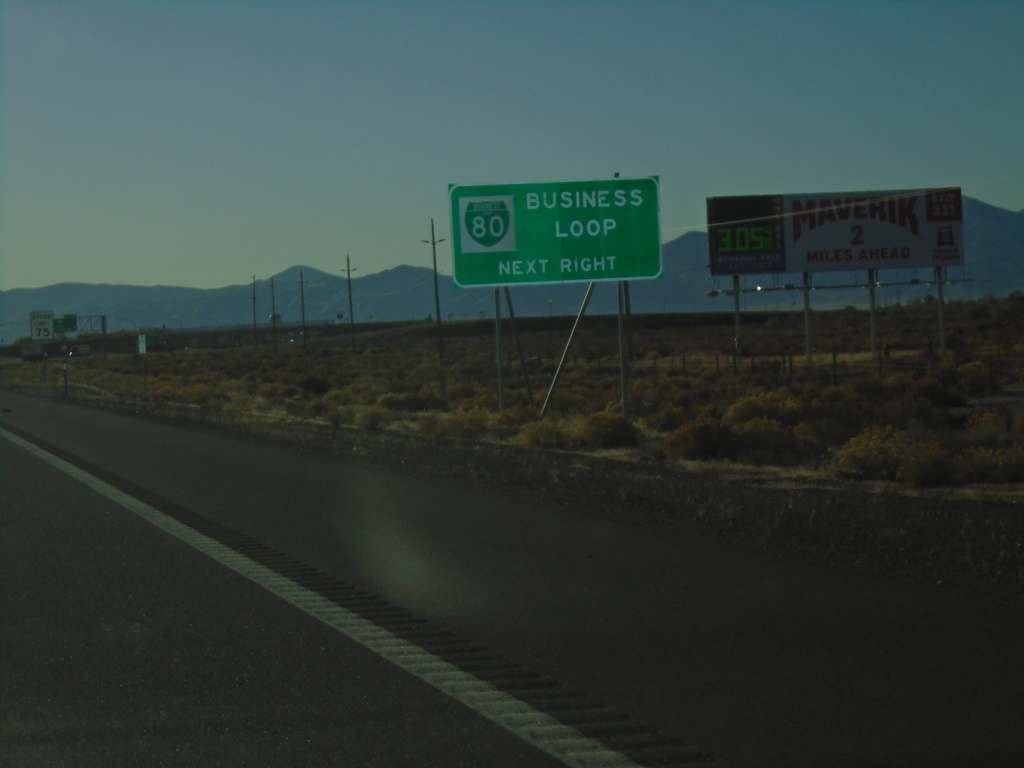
(119, 640)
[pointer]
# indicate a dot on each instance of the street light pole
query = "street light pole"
(302, 298)
(254, 342)
(273, 314)
(351, 317)
(437, 300)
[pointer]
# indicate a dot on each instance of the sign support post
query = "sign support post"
(623, 356)
(519, 347)
(497, 336)
(568, 345)
(807, 317)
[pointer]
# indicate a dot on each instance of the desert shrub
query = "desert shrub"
(765, 441)
(367, 388)
(988, 419)
(703, 438)
(426, 421)
(654, 393)
(874, 454)
(344, 415)
(573, 400)
(986, 429)
(817, 438)
(711, 373)
(485, 401)
(606, 430)
(276, 391)
(945, 374)
(411, 401)
(929, 464)
(194, 394)
(778, 406)
(372, 417)
(315, 384)
(516, 415)
(878, 388)
(459, 390)
(937, 393)
(317, 407)
(336, 398)
(543, 434)
(668, 419)
(976, 379)
(994, 465)
(461, 425)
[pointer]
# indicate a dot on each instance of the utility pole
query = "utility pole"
(437, 300)
(302, 298)
(254, 342)
(273, 314)
(351, 317)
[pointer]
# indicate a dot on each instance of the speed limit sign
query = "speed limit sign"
(41, 324)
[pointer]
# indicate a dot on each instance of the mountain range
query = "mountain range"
(994, 254)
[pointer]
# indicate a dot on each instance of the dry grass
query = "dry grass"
(910, 415)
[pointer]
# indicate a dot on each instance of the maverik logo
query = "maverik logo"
(817, 212)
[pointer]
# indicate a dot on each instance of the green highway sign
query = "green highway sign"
(65, 324)
(555, 232)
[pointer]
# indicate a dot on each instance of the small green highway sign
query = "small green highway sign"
(66, 324)
(555, 232)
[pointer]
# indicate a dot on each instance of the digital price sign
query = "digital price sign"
(745, 235)
(832, 231)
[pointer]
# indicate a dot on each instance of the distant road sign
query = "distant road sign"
(555, 232)
(66, 324)
(903, 229)
(41, 324)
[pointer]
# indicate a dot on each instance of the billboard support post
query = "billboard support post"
(807, 316)
(736, 345)
(942, 326)
(871, 307)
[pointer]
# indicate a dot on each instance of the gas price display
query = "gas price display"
(829, 231)
(745, 234)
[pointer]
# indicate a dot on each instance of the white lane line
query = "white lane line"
(560, 741)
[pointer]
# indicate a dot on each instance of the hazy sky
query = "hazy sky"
(200, 143)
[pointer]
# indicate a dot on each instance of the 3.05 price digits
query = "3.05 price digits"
(744, 239)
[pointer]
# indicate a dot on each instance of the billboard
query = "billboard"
(903, 229)
(555, 232)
